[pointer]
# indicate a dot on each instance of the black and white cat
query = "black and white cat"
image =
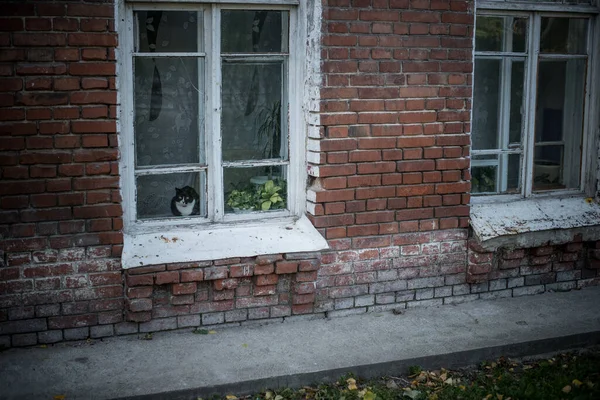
(185, 202)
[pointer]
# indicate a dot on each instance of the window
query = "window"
(209, 113)
(530, 101)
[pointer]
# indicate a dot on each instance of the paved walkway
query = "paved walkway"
(183, 365)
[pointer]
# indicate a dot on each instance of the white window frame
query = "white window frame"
(588, 172)
(219, 235)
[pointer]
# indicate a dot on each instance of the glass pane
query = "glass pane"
(486, 102)
(251, 122)
(547, 168)
(255, 189)
(513, 181)
(517, 83)
(158, 197)
(559, 123)
(168, 31)
(507, 34)
(168, 118)
(564, 35)
(483, 177)
(254, 31)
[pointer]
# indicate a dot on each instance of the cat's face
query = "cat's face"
(182, 198)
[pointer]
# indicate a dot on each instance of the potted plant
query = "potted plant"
(270, 196)
(241, 201)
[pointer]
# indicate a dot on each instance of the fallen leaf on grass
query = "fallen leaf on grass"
(577, 383)
(230, 397)
(59, 397)
(351, 384)
(567, 389)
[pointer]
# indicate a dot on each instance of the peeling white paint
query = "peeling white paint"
(552, 220)
(187, 245)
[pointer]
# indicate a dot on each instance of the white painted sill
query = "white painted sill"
(534, 222)
(218, 242)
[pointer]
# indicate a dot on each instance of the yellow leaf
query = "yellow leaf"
(589, 200)
(499, 396)
(566, 389)
(462, 387)
(59, 397)
(212, 332)
(230, 397)
(268, 395)
(351, 384)
(362, 393)
(577, 382)
(43, 346)
(279, 397)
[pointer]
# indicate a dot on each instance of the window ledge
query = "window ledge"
(186, 245)
(535, 222)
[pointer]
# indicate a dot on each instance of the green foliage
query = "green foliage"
(565, 376)
(242, 199)
(269, 196)
(414, 370)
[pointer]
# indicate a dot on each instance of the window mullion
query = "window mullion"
(530, 96)
(214, 139)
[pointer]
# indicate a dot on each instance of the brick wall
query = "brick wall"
(390, 169)
(60, 215)
(388, 185)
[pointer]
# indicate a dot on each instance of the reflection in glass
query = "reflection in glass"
(254, 31)
(155, 193)
(167, 31)
(486, 97)
(517, 83)
(168, 119)
(506, 34)
(563, 35)
(255, 189)
(251, 123)
(483, 179)
(559, 123)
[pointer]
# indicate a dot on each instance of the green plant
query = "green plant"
(242, 199)
(270, 196)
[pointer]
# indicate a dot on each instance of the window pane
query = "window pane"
(254, 31)
(513, 181)
(517, 83)
(559, 123)
(248, 189)
(167, 31)
(564, 35)
(486, 97)
(251, 123)
(507, 34)
(168, 119)
(156, 195)
(483, 178)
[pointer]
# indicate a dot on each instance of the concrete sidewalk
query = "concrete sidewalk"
(183, 365)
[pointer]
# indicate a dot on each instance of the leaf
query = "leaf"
(500, 396)
(413, 394)
(212, 332)
(265, 205)
(59, 397)
(268, 395)
(369, 395)
(279, 397)
(230, 397)
(351, 384)
(567, 389)
(200, 331)
(577, 383)
(245, 345)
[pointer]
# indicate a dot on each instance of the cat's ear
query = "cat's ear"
(177, 190)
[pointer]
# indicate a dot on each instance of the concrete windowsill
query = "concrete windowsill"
(241, 240)
(535, 222)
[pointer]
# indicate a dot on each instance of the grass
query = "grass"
(570, 376)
